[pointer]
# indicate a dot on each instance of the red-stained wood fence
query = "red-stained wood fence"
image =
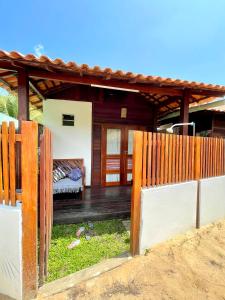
(46, 202)
(161, 159)
(18, 183)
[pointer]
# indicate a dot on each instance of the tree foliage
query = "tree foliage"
(9, 106)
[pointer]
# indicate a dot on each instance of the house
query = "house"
(209, 119)
(92, 113)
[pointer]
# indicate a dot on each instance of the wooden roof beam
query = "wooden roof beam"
(7, 74)
(88, 80)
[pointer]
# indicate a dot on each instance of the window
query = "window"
(68, 120)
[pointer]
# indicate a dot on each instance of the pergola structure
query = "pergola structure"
(39, 78)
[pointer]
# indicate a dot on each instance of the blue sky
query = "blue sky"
(172, 38)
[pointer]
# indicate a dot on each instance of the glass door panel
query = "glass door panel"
(130, 141)
(129, 159)
(113, 141)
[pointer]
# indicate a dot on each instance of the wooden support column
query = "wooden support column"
(184, 112)
(23, 95)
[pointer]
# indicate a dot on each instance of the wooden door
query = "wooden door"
(117, 153)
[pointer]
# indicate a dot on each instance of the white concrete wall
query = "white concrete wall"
(212, 199)
(166, 211)
(68, 141)
(11, 251)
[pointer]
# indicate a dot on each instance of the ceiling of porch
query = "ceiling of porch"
(48, 77)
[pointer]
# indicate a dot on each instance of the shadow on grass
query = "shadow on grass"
(99, 228)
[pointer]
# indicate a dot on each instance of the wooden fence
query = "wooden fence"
(18, 182)
(161, 159)
(168, 158)
(9, 138)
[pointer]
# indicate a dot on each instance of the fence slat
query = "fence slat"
(29, 171)
(153, 157)
(149, 179)
(1, 182)
(12, 163)
(166, 158)
(162, 178)
(177, 160)
(170, 155)
(171, 158)
(136, 192)
(158, 159)
(180, 157)
(174, 159)
(144, 169)
(5, 161)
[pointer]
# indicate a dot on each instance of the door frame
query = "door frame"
(124, 147)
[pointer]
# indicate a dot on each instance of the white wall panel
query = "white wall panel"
(70, 141)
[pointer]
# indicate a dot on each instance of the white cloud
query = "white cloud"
(39, 49)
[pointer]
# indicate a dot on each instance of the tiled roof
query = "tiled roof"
(98, 71)
(165, 101)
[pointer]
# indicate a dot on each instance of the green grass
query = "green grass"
(111, 239)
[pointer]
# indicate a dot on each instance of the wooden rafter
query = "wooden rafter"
(36, 89)
(57, 89)
(7, 84)
(7, 74)
(158, 103)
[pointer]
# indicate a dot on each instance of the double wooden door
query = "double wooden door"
(117, 152)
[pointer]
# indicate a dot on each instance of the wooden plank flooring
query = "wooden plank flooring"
(98, 204)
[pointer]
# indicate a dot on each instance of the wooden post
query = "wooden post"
(29, 159)
(136, 192)
(184, 112)
(23, 95)
(197, 173)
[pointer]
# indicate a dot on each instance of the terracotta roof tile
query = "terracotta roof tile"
(44, 62)
(96, 70)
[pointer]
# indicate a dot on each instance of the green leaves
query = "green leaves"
(9, 106)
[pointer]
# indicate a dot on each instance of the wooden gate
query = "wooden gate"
(18, 183)
(46, 202)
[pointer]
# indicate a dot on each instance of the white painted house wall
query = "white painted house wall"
(166, 211)
(11, 251)
(212, 199)
(68, 141)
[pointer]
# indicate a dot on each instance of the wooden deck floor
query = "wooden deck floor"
(98, 204)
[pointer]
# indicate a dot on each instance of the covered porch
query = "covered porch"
(98, 203)
(99, 100)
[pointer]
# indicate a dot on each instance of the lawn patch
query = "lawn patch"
(110, 239)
